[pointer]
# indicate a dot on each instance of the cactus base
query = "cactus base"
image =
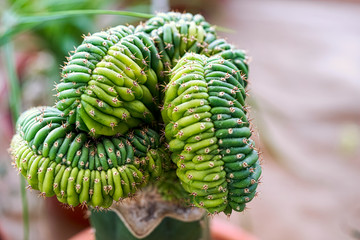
(148, 217)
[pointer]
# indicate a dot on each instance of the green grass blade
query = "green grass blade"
(15, 106)
(23, 23)
(70, 13)
(13, 82)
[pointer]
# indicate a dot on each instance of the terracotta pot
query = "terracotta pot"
(2, 234)
(224, 230)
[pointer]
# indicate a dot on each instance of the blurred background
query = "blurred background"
(305, 101)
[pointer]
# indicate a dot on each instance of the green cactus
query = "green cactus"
(101, 143)
(208, 133)
(58, 160)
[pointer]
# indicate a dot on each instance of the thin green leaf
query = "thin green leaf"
(70, 13)
(23, 23)
(15, 106)
(13, 82)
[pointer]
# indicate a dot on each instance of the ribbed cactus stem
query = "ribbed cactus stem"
(100, 144)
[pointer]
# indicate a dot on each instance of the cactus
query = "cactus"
(208, 133)
(101, 143)
(58, 160)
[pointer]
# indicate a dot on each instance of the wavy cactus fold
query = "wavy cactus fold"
(119, 89)
(208, 133)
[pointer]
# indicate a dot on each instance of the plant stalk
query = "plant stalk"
(26, 22)
(15, 106)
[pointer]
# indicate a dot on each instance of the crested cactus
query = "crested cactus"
(208, 133)
(100, 143)
(78, 169)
